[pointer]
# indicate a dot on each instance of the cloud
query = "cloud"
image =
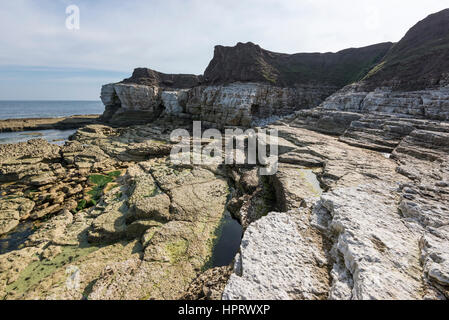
(178, 36)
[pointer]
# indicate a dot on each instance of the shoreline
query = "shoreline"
(59, 123)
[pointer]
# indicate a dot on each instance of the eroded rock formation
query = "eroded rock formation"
(241, 86)
(378, 230)
(131, 224)
(365, 237)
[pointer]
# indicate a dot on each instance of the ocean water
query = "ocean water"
(44, 109)
(48, 109)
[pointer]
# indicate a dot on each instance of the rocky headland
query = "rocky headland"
(357, 210)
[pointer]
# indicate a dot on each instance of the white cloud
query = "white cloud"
(178, 36)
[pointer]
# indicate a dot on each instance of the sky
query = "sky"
(42, 59)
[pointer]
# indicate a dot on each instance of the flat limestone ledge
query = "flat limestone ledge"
(73, 122)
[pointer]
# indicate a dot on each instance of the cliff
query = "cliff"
(242, 85)
(246, 84)
(108, 215)
(419, 61)
(148, 77)
(408, 89)
(250, 63)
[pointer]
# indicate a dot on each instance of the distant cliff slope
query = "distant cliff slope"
(420, 60)
(148, 77)
(247, 62)
(408, 90)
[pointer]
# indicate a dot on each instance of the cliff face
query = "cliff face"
(249, 62)
(246, 84)
(247, 104)
(420, 60)
(411, 83)
(148, 77)
(335, 221)
(242, 85)
(130, 103)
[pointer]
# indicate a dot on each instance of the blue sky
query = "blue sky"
(41, 59)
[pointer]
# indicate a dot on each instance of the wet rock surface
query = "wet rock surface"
(116, 218)
(209, 285)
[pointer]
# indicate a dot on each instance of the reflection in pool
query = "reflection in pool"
(53, 136)
(228, 242)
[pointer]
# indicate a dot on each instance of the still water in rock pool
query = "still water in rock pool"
(52, 136)
(225, 248)
(228, 242)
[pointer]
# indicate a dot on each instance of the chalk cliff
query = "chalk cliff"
(408, 89)
(242, 85)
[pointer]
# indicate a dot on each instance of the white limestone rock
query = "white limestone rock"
(354, 245)
(435, 257)
(241, 104)
(430, 104)
(171, 101)
(377, 247)
(350, 99)
(236, 104)
(279, 259)
(138, 97)
(108, 95)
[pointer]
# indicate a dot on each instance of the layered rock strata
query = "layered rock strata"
(145, 96)
(428, 104)
(370, 235)
(408, 86)
(379, 230)
(242, 85)
(236, 104)
(111, 213)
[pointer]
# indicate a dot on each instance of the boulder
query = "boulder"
(278, 260)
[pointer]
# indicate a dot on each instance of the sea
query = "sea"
(44, 109)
